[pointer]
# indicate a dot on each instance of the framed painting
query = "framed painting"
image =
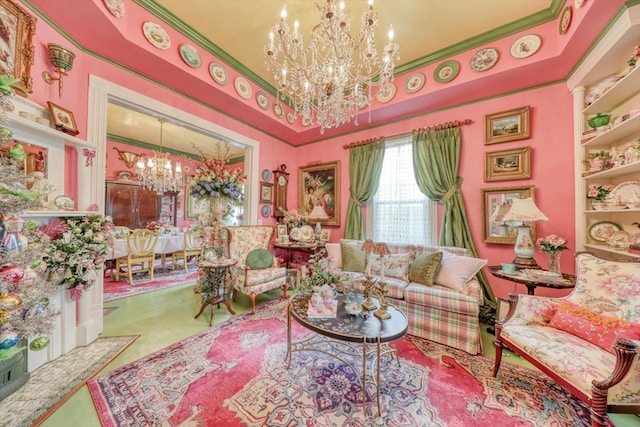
(293, 278)
(319, 192)
(63, 119)
(282, 231)
(493, 199)
(325, 235)
(507, 164)
(196, 207)
(266, 192)
(16, 44)
(507, 126)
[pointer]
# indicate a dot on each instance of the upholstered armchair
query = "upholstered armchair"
(257, 270)
(589, 341)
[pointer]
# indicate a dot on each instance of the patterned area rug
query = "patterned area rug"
(234, 374)
(53, 383)
(114, 290)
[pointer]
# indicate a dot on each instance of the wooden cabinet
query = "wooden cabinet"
(605, 84)
(132, 206)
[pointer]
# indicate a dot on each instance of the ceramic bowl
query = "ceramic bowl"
(353, 308)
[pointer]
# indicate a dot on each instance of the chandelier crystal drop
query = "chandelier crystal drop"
(158, 174)
(332, 77)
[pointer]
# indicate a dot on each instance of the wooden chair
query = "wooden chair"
(191, 249)
(142, 249)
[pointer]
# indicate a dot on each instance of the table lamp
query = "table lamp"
(523, 211)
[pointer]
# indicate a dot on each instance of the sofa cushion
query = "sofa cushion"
(456, 271)
(353, 258)
(593, 327)
(395, 265)
(259, 259)
(425, 268)
(334, 254)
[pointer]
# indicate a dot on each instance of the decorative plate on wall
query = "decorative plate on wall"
(267, 175)
(265, 211)
(116, 7)
(242, 87)
(602, 230)
(525, 46)
(386, 93)
(579, 3)
(414, 83)
(262, 100)
(190, 55)
(277, 109)
(218, 74)
(565, 20)
(306, 121)
(156, 35)
(446, 71)
(291, 118)
(484, 59)
(363, 100)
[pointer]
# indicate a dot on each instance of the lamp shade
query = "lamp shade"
(524, 210)
(368, 246)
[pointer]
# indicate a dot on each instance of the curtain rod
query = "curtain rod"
(445, 125)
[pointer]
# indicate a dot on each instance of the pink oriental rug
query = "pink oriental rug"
(114, 290)
(234, 374)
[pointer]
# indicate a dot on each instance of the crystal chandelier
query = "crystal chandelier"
(157, 174)
(333, 76)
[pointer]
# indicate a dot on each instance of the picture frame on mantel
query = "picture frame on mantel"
(505, 126)
(319, 192)
(63, 119)
(494, 198)
(16, 44)
(507, 164)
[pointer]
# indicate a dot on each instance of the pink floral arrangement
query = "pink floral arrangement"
(156, 225)
(634, 56)
(294, 218)
(552, 244)
(599, 192)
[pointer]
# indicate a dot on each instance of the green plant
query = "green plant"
(596, 155)
(318, 272)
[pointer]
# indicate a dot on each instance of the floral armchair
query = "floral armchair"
(588, 341)
(242, 241)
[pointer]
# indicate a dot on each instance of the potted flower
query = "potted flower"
(633, 60)
(553, 245)
(598, 193)
(597, 160)
(294, 218)
(318, 272)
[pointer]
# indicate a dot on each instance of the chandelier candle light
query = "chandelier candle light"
(158, 174)
(333, 75)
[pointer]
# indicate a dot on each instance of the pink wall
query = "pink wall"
(551, 139)
(552, 169)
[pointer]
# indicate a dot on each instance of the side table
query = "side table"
(567, 281)
(289, 248)
(214, 286)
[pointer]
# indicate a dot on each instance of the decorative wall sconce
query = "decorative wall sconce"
(127, 157)
(62, 60)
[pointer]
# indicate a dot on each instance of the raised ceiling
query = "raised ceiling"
(233, 32)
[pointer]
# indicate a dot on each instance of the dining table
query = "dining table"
(166, 244)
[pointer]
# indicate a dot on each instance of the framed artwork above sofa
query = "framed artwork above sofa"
(494, 231)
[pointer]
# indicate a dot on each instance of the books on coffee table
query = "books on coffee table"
(323, 311)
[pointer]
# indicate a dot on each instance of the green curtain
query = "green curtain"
(436, 158)
(365, 165)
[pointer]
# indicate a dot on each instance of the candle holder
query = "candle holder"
(380, 292)
(368, 284)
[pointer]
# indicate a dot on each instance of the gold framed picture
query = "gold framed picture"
(507, 164)
(506, 126)
(266, 192)
(319, 192)
(325, 235)
(16, 44)
(493, 199)
(196, 207)
(63, 119)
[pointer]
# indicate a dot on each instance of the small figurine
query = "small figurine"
(41, 186)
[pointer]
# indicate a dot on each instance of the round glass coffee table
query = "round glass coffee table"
(343, 332)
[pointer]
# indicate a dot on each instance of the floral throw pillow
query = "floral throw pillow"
(593, 327)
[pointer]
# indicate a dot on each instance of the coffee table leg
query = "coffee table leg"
(288, 355)
(364, 377)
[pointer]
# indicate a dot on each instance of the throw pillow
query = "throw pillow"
(259, 259)
(456, 271)
(593, 327)
(353, 258)
(396, 266)
(425, 268)
(334, 254)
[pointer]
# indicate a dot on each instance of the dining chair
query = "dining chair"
(142, 249)
(192, 248)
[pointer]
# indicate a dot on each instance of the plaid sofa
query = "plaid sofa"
(436, 313)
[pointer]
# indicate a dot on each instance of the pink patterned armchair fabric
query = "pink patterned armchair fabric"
(608, 380)
(242, 240)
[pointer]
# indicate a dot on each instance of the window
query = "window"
(399, 212)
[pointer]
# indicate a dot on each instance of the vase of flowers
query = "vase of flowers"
(553, 245)
(294, 218)
(597, 194)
